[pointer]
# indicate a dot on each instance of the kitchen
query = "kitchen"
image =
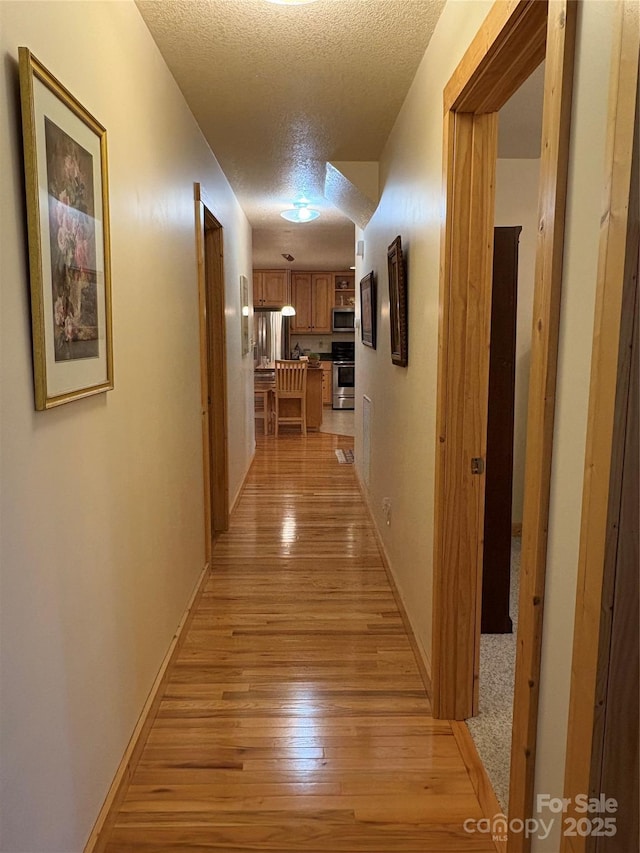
(306, 315)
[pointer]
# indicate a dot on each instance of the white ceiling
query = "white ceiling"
(279, 91)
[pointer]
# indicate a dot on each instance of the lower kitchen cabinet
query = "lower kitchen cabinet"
(314, 397)
(327, 382)
(289, 407)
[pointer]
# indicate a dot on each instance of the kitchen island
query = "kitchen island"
(264, 380)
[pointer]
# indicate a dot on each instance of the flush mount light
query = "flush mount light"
(300, 212)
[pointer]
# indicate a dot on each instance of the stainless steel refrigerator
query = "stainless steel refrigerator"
(272, 338)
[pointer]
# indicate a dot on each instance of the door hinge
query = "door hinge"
(477, 465)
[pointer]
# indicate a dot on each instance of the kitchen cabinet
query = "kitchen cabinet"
(289, 407)
(344, 289)
(270, 288)
(301, 301)
(314, 398)
(327, 382)
(312, 297)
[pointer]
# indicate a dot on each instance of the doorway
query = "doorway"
(514, 250)
(512, 42)
(491, 729)
(213, 369)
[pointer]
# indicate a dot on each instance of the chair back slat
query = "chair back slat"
(291, 376)
(291, 385)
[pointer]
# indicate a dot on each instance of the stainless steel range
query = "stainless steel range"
(343, 355)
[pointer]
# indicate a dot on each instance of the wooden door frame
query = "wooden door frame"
(213, 383)
(515, 37)
(610, 366)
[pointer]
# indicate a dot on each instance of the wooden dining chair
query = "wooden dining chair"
(291, 385)
(263, 404)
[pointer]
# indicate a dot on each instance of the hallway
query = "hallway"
(295, 717)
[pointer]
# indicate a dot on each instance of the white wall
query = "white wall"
(584, 210)
(101, 503)
(403, 399)
(517, 204)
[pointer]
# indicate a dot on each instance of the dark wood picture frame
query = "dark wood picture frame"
(368, 310)
(398, 304)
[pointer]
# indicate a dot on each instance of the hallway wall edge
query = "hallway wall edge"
(131, 756)
(420, 653)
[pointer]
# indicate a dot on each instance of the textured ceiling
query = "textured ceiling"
(281, 90)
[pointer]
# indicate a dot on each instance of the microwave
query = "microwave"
(344, 319)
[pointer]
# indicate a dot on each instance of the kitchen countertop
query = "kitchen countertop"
(266, 373)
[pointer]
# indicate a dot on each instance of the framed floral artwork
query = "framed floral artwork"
(65, 153)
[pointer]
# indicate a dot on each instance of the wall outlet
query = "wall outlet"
(386, 509)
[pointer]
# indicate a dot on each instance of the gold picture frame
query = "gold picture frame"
(65, 156)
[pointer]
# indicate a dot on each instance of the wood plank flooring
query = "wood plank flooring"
(295, 717)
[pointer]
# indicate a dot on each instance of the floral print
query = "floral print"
(73, 246)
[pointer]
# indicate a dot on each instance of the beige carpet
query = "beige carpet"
(491, 729)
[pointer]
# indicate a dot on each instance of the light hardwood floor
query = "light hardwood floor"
(295, 717)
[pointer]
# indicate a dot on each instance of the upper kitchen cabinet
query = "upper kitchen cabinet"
(270, 288)
(312, 297)
(344, 289)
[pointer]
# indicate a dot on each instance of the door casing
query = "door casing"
(213, 368)
(514, 39)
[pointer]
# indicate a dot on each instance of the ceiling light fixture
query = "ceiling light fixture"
(300, 212)
(288, 311)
